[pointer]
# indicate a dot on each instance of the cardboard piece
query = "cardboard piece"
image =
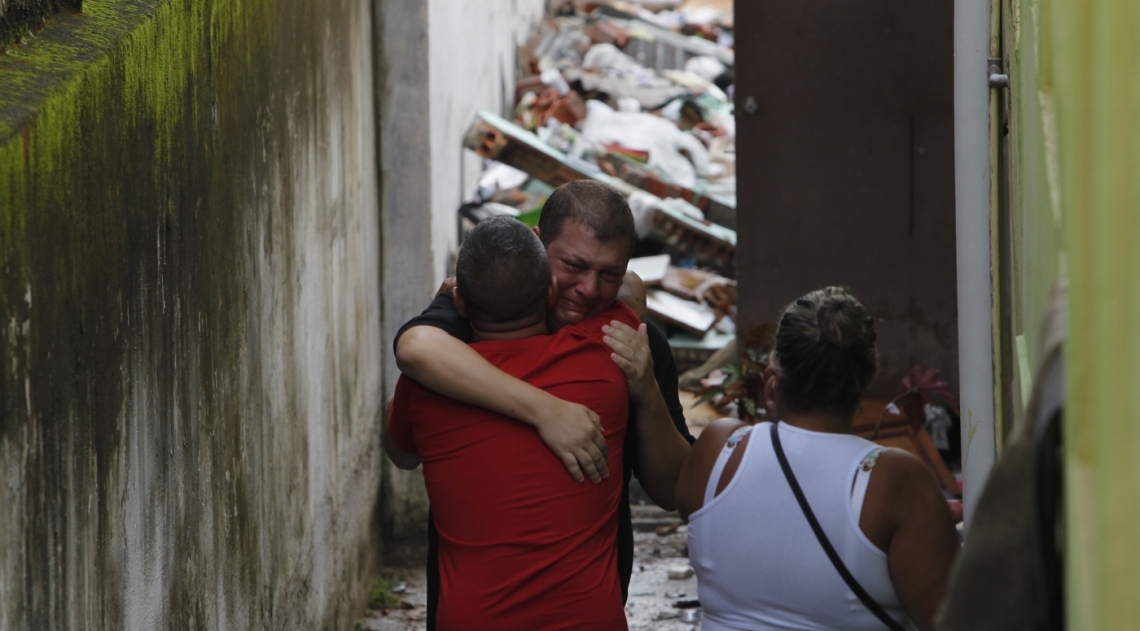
(689, 315)
(651, 269)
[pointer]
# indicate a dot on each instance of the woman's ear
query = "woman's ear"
(772, 392)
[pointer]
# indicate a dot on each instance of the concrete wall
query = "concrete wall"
(447, 60)
(190, 313)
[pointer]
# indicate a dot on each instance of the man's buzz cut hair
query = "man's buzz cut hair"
(502, 272)
(599, 207)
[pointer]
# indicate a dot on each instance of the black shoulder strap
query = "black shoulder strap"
(823, 541)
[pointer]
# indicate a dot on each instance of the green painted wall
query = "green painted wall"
(1035, 225)
(1095, 57)
(189, 317)
(1075, 104)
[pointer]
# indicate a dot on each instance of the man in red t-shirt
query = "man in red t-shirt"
(522, 545)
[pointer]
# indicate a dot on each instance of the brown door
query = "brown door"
(846, 167)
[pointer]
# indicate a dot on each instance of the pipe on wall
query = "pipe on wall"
(972, 171)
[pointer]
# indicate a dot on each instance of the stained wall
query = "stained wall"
(190, 311)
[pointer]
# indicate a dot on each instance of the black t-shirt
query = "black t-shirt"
(442, 314)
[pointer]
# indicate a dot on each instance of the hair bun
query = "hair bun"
(841, 320)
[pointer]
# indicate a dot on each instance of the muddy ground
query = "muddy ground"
(652, 594)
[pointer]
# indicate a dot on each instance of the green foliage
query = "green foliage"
(530, 217)
(381, 596)
(742, 382)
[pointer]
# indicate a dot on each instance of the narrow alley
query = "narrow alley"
(568, 314)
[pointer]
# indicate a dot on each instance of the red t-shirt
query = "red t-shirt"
(521, 544)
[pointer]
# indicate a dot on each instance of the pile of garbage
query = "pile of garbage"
(637, 95)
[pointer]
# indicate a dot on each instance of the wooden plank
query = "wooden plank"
(712, 245)
(715, 209)
(493, 137)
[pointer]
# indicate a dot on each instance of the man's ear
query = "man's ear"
(460, 305)
(632, 293)
(537, 232)
(552, 291)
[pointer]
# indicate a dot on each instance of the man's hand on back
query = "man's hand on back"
(446, 287)
(574, 433)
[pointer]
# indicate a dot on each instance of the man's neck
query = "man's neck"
(479, 335)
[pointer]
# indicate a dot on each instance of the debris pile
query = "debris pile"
(636, 95)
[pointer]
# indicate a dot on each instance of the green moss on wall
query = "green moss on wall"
(142, 143)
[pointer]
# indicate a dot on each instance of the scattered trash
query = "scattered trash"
(938, 424)
(667, 530)
(955, 509)
(382, 596)
(680, 572)
(692, 616)
(687, 604)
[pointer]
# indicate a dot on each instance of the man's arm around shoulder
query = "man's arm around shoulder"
(448, 366)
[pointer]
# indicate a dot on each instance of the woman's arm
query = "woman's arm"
(450, 367)
(694, 478)
(922, 543)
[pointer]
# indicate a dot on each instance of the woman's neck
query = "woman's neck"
(819, 421)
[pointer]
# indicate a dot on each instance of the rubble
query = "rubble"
(636, 95)
(680, 572)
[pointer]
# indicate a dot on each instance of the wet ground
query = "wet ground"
(660, 546)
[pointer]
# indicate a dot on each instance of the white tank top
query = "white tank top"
(758, 564)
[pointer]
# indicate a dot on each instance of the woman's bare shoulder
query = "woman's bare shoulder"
(693, 481)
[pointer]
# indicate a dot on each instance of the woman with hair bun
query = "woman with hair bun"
(800, 524)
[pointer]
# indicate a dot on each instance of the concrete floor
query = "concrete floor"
(652, 593)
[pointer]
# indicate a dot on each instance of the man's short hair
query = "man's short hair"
(502, 272)
(599, 207)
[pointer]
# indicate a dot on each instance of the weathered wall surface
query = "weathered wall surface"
(190, 313)
(440, 62)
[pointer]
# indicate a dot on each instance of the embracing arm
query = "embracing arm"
(663, 450)
(450, 367)
(661, 447)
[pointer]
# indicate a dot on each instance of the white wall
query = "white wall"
(448, 59)
(472, 66)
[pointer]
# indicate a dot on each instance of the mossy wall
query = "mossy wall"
(189, 316)
(18, 18)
